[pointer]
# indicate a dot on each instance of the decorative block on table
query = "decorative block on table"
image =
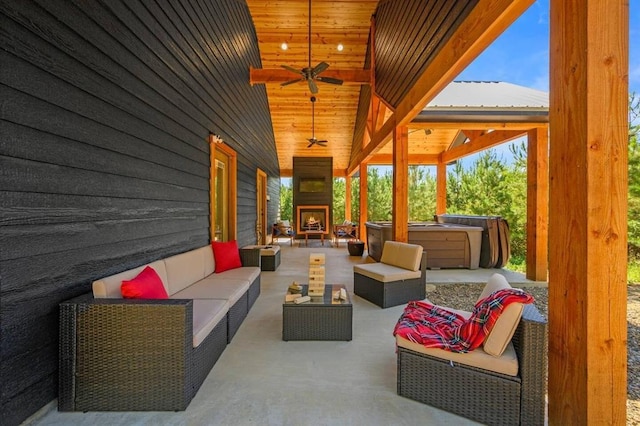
(316, 274)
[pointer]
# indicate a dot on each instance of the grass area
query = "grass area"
(519, 264)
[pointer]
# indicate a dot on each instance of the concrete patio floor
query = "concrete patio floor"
(262, 380)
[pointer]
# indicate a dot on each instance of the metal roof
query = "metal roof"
(487, 101)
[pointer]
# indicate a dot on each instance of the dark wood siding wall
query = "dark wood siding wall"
(313, 167)
(104, 161)
(408, 35)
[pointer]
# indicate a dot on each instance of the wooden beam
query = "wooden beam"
(486, 21)
(281, 75)
(441, 188)
(588, 211)
(364, 195)
(481, 143)
(414, 159)
(400, 198)
(537, 204)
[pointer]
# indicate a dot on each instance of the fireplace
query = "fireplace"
(312, 218)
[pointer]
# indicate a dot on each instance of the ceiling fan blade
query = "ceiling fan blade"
(319, 68)
(322, 143)
(329, 80)
(313, 86)
(311, 143)
(288, 68)
(286, 83)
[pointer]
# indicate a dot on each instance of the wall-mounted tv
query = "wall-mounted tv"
(308, 184)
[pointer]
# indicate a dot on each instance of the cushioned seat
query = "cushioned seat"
(501, 382)
(399, 277)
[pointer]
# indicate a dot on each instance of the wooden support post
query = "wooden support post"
(537, 204)
(364, 193)
(588, 212)
(347, 198)
(400, 203)
(441, 188)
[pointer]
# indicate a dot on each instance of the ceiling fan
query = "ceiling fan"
(313, 140)
(311, 74)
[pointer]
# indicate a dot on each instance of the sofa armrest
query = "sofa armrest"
(530, 343)
(110, 348)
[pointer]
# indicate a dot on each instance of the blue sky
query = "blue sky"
(521, 54)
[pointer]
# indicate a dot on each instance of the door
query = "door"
(223, 193)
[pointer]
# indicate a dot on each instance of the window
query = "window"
(223, 193)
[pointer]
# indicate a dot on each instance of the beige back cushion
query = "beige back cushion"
(402, 255)
(184, 269)
(209, 261)
(497, 340)
(109, 287)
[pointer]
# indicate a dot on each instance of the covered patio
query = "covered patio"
(137, 130)
(304, 382)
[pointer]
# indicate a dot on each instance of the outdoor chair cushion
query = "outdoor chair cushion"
(207, 313)
(402, 255)
(385, 273)
(507, 363)
(215, 288)
(497, 340)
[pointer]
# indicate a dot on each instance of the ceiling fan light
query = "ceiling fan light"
(284, 46)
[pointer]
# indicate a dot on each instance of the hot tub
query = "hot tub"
(447, 245)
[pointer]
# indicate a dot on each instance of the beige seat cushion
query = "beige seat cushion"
(507, 363)
(500, 336)
(207, 313)
(214, 288)
(385, 273)
(402, 255)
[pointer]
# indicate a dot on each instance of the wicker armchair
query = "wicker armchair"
(483, 395)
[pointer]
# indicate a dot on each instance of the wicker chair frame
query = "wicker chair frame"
(392, 293)
(482, 395)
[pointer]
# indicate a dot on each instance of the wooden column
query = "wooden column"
(441, 187)
(347, 198)
(537, 203)
(400, 203)
(587, 212)
(363, 202)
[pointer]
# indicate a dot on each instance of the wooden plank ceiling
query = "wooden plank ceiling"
(333, 22)
(409, 34)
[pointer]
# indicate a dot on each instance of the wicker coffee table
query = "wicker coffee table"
(322, 318)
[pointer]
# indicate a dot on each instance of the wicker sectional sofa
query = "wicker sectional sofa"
(152, 355)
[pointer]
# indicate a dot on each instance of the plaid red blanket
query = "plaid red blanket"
(435, 327)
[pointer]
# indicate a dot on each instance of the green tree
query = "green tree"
(286, 202)
(634, 177)
(379, 189)
(422, 194)
(339, 198)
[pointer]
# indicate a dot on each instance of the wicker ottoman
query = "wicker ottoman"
(320, 319)
(269, 256)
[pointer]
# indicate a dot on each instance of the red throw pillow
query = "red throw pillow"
(226, 255)
(147, 285)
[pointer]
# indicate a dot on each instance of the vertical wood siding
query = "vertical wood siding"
(104, 160)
